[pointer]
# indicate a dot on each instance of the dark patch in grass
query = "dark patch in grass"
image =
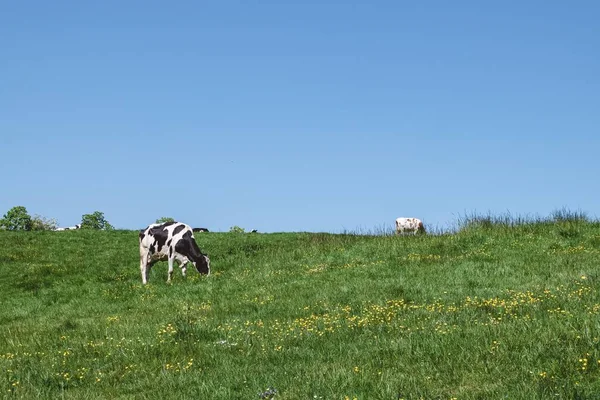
(68, 325)
(50, 297)
(248, 249)
(595, 241)
(35, 283)
(251, 248)
(568, 231)
(192, 332)
(55, 384)
(472, 284)
(398, 292)
(115, 277)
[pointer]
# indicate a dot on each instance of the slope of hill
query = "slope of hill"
(493, 311)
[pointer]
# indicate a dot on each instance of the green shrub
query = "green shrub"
(236, 229)
(162, 220)
(95, 220)
(40, 223)
(16, 219)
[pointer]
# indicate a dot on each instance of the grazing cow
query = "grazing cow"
(200, 230)
(254, 231)
(171, 241)
(413, 225)
(69, 228)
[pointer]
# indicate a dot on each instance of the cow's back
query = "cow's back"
(409, 224)
(158, 238)
(155, 238)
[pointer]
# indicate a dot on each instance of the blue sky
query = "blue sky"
(299, 116)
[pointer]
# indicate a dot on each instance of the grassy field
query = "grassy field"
(497, 310)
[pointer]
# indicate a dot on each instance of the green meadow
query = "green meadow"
(499, 309)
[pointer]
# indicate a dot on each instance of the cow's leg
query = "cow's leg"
(171, 261)
(144, 267)
(183, 266)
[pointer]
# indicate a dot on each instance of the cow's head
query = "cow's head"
(203, 264)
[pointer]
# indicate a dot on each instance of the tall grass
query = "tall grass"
(498, 309)
(507, 220)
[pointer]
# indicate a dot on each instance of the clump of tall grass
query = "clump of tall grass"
(485, 222)
(377, 230)
(474, 221)
(566, 215)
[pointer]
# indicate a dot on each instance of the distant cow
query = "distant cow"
(254, 231)
(69, 228)
(170, 241)
(200, 230)
(407, 225)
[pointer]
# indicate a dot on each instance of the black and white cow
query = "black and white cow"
(69, 228)
(200, 230)
(170, 241)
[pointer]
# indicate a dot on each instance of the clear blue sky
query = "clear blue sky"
(299, 116)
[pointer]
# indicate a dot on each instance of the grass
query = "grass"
(501, 308)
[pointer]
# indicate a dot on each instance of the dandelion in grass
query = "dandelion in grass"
(494, 347)
(584, 362)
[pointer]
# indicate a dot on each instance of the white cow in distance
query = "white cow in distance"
(409, 225)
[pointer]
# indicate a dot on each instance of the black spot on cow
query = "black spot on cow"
(185, 247)
(169, 242)
(178, 229)
(170, 251)
(160, 235)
